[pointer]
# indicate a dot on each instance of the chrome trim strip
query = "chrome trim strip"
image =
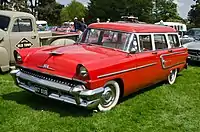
(126, 70)
(73, 79)
(163, 60)
(46, 67)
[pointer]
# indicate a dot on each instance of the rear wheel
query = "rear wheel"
(172, 76)
(110, 96)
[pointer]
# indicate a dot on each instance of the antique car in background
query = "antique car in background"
(193, 50)
(193, 32)
(191, 35)
(19, 30)
(111, 60)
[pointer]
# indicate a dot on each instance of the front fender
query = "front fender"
(4, 59)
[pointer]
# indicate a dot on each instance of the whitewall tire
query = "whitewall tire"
(172, 76)
(110, 96)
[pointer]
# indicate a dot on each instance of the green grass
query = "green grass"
(159, 108)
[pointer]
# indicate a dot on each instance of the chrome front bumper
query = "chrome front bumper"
(77, 95)
(194, 58)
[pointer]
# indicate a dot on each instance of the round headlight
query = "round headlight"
(18, 57)
(83, 71)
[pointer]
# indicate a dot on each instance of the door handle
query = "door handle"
(170, 50)
(33, 37)
(154, 53)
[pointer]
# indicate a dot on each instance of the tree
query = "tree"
(146, 10)
(49, 10)
(72, 10)
(19, 5)
(165, 10)
(16, 5)
(4, 4)
(194, 14)
(114, 9)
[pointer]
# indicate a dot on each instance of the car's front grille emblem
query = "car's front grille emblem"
(46, 66)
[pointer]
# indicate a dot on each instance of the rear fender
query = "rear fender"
(4, 60)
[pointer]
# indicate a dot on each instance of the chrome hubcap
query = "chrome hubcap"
(108, 96)
(172, 75)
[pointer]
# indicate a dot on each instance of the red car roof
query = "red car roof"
(133, 27)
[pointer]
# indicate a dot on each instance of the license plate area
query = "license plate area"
(41, 90)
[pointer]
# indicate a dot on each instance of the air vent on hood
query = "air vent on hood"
(55, 53)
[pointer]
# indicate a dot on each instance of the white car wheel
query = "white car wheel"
(110, 97)
(172, 76)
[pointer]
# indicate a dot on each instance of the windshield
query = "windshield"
(4, 22)
(107, 38)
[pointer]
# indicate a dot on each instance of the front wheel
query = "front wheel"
(172, 76)
(110, 97)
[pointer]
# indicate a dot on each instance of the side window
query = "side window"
(93, 36)
(114, 39)
(160, 41)
(22, 25)
(145, 42)
(173, 40)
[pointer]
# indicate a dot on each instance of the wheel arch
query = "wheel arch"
(4, 60)
(121, 85)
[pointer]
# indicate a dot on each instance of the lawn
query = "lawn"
(159, 108)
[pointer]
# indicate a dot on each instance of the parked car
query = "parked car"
(186, 39)
(110, 61)
(19, 30)
(193, 32)
(193, 50)
(191, 35)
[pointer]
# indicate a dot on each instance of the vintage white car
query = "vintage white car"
(19, 30)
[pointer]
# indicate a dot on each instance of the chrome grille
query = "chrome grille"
(194, 52)
(70, 83)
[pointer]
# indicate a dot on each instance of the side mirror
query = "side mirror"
(185, 36)
(5, 29)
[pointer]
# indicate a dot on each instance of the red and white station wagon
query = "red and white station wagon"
(111, 60)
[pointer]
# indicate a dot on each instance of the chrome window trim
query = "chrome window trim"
(138, 34)
(152, 39)
(179, 41)
(130, 42)
(126, 70)
(163, 60)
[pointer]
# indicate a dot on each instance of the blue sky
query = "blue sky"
(183, 5)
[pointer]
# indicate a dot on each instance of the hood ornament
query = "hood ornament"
(46, 66)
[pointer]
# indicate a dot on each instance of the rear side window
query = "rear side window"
(173, 40)
(22, 25)
(145, 42)
(160, 41)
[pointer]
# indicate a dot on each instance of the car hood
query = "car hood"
(193, 45)
(63, 60)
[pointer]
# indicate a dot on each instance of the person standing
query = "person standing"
(76, 24)
(83, 24)
(98, 20)
(108, 20)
